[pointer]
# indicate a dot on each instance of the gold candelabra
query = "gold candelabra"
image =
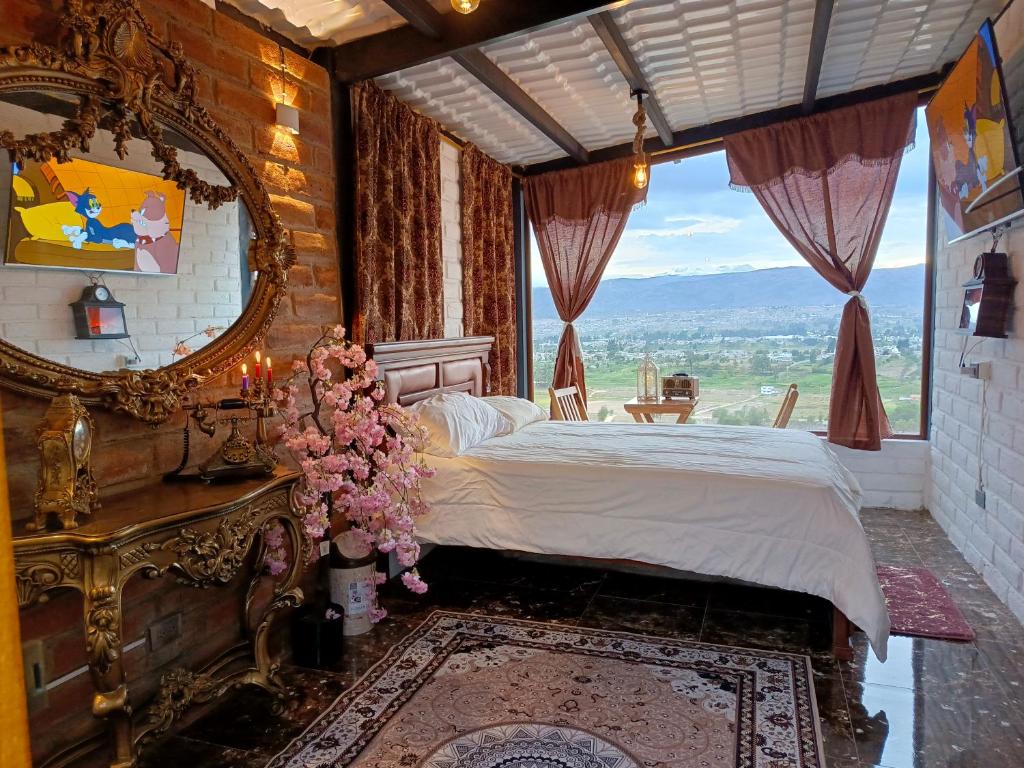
(237, 456)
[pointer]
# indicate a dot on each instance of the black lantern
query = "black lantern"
(98, 315)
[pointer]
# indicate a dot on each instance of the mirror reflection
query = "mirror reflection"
(106, 265)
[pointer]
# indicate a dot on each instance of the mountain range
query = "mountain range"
(779, 287)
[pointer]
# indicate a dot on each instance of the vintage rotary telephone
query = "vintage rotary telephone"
(237, 457)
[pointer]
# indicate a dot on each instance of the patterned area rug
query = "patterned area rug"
(465, 691)
(919, 606)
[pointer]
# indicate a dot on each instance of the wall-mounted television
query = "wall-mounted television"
(1009, 29)
(974, 147)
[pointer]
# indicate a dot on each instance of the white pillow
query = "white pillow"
(456, 422)
(518, 411)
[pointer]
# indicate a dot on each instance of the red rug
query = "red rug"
(919, 606)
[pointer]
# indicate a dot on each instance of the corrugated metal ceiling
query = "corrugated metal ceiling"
(323, 22)
(707, 60)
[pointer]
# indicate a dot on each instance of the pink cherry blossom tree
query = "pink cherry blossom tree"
(359, 456)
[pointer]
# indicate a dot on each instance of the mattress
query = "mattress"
(769, 506)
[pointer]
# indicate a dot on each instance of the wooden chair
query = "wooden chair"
(567, 404)
(788, 403)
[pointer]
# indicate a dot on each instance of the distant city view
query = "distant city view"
(704, 282)
(745, 358)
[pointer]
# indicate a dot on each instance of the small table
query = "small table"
(645, 411)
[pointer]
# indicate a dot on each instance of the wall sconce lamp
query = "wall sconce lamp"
(465, 6)
(287, 116)
(641, 166)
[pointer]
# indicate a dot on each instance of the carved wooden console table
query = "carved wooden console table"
(202, 534)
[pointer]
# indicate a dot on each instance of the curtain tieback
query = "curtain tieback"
(857, 295)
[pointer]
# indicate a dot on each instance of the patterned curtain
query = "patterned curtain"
(827, 181)
(488, 262)
(399, 295)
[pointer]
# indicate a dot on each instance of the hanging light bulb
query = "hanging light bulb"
(465, 6)
(641, 175)
(641, 166)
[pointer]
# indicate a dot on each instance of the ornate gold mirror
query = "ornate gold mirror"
(140, 253)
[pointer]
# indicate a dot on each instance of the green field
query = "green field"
(734, 368)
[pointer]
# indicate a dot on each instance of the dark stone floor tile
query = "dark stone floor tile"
(493, 599)
(177, 751)
(534, 572)
(915, 663)
(620, 615)
(834, 716)
(903, 728)
(772, 602)
(1006, 662)
(638, 586)
(894, 548)
(988, 617)
(251, 719)
(762, 631)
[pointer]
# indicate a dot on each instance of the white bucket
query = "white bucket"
(354, 586)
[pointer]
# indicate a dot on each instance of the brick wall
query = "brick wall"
(451, 238)
(892, 478)
(979, 426)
(239, 73)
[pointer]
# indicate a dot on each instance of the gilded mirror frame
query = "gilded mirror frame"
(111, 59)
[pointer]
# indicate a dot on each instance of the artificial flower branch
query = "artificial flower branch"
(358, 456)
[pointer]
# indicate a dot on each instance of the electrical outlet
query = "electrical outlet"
(164, 632)
(979, 497)
(34, 660)
(128, 361)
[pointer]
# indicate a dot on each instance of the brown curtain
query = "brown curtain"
(578, 217)
(399, 294)
(488, 262)
(827, 182)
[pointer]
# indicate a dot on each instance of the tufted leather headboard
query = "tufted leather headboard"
(415, 370)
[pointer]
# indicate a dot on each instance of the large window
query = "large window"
(704, 282)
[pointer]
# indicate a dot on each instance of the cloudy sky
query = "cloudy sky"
(693, 223)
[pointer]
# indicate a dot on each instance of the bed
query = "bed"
(769, 507)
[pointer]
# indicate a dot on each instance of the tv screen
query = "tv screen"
(973, 148)
(1009, 29)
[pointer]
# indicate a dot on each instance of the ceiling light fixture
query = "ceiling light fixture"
(642, 165)
(465, 6)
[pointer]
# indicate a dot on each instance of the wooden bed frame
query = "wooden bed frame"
(415, 370)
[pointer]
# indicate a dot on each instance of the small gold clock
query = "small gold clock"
(66, 487)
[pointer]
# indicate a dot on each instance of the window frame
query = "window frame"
(525, 330)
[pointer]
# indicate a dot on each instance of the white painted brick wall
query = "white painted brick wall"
(160, 309)
(451, 239)
(892, 478)
(992, 539)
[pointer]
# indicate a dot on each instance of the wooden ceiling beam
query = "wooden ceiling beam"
(699, 139)
(606, 28)
(422, 16)
(816, 52)
(492, 22)
(506, 89)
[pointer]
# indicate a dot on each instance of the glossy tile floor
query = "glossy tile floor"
(932, 704)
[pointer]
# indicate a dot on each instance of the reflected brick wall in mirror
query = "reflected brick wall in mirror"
(239, 73)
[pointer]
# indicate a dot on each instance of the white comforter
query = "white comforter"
(769, 506)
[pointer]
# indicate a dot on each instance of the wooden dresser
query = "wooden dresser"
(200, 534)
